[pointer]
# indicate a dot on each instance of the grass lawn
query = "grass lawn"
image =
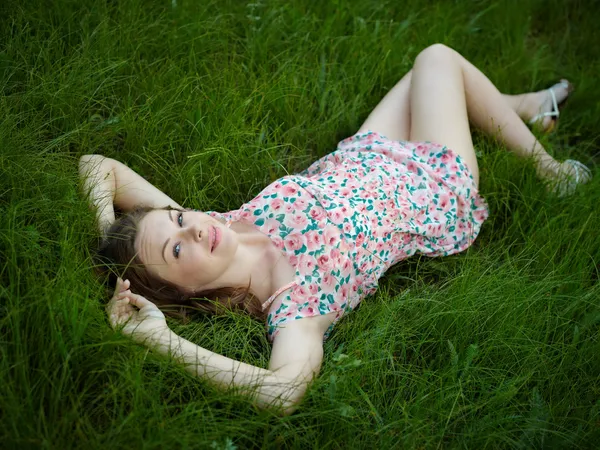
(213, 100)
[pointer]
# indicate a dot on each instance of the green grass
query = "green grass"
(211, 101)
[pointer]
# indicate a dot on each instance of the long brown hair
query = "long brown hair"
(118, 257)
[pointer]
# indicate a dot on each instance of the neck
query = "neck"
(258, 263)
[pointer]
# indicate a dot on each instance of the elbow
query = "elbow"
(291, 400)
(288, 408)
(86, 159)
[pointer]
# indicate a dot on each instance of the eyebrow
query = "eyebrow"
(167, 241)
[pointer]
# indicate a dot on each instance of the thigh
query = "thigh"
(438, 105)
(391, 117)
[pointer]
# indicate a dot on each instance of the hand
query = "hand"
(139, 318)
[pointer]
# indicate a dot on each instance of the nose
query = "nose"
(195, 232)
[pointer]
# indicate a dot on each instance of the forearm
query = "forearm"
(98, 180)
(110, 182)
(268, 388)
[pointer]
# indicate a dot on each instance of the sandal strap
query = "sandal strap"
(567, 185)
(555, 111)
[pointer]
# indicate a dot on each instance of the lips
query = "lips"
(215, 236)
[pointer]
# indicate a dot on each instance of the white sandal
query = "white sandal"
(567, 184)
(555, 106)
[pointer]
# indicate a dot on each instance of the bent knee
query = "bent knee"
(436, 53)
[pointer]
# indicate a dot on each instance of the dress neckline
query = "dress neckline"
(283, 288)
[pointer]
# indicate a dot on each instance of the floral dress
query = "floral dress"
(352, 214)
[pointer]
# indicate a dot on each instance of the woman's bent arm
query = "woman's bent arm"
(109, 182)
(281, 388)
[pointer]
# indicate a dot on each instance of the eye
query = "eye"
(180, 219)
(176, 250)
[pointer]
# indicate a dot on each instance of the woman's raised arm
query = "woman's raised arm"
(110, 183)
(296, 357)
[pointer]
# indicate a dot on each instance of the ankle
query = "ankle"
(531, 105)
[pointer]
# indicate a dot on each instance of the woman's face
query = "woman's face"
(188, 248)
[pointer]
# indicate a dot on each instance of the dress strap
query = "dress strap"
(279, 291)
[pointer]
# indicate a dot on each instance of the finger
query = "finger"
(124, 294)
(123, 286)
(140, 301)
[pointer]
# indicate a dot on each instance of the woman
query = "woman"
(311, 246)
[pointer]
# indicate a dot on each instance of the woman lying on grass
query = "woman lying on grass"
(311, 246)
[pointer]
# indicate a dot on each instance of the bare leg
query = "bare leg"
(391, 117)
(446, 93)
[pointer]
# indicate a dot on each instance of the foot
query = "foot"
(541, 111)
(562, 178)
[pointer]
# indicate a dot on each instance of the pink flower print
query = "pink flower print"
(395, 238)
(278, 242)
(325, 262)
(331, 234)
(299, 295)
(328, 283)
(301, 204)
(452, 179)
(277, 204)
(422, 150)
(346, 210)
(296, 220)
(345, 191)
(336, 216)
(440, 170)
(360, 238)
(313, 288)
(432, 161)
(346, 267)
(480, 215)
(437, 216)
(453, 167)
(380, 246)
(460, 226)
(289, 190)
(434, 187)
(361, 208)
(336, 256)
(293, 241)
(317, 213)
(479, 201)
(379, 205)
(445, 158)
(444, 202)
(347, 227)
(344, 291)
(313, 300)
(246, 216)
(306, 264)
(314, 240)
(289, 208)
(411, 166)
(352, 183)
(276, 186)
(421, 198)
(271, 226)
(366, 194)
(293, 260)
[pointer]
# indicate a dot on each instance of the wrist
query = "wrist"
(156, 338)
